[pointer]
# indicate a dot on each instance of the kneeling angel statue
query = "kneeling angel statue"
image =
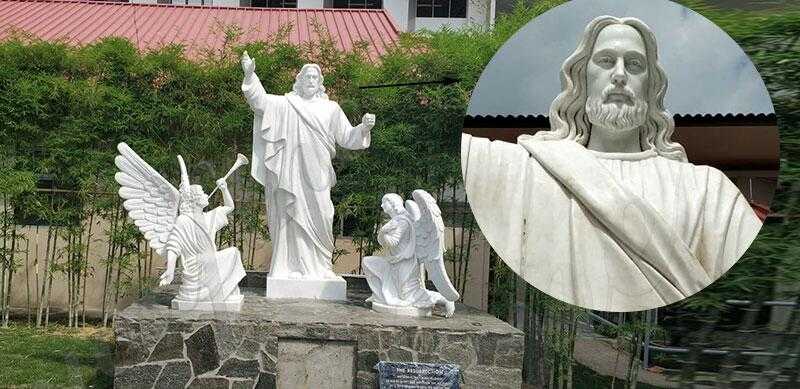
(173, 222)
(413, 238)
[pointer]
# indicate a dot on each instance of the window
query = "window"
(282, 3)
(181, 2)
(370, 4)
(269, 3)
(441, 8)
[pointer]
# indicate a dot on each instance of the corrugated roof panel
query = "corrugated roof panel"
(343, 32)
(121, 22)
(26, 12)
(99, 29)
(155, 29)
(374, 37)
(197, 28)
(191, 33)
(84, 18)
(64, 19)
(379, 28)
(337, 34)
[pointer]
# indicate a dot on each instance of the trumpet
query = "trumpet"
(241, 160)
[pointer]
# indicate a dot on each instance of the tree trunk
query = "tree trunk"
(469, 247)
(139, 266)
(10, 274)
(49, 288)
(68, 268)
(149, 260)
(117, 283)
(40, 310)
(4, 258)
(456, 266)
(86, 267)
(49, 274)
(28, 279)
(110, 261)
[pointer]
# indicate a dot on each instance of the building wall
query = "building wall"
(401, 11)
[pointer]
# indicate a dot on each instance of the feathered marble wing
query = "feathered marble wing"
(413, 210)
(429, 234)
(151, 201)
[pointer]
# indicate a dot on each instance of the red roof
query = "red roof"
(152, 26)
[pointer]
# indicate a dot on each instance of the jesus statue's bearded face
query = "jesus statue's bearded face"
(617, 76)
(309, 82)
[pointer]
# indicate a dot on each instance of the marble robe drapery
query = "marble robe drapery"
(294, 141)
(208, 274)
(606, 231)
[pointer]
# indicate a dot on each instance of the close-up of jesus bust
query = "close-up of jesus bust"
(604, 210)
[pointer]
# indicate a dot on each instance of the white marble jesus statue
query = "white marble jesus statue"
(294, 140)
(603, 210)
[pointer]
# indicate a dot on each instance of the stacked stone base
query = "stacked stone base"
(303, 343)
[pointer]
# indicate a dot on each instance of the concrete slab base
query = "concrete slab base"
(296, 288)
(234, 305)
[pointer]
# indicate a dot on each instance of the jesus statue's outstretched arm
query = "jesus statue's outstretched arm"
(350, 137)
(251, 86)
(490, 181)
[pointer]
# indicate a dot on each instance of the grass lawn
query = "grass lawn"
(58, 357)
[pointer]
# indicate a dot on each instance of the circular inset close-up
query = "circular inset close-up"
(620, 155)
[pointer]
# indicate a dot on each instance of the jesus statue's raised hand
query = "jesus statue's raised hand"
(248, 65)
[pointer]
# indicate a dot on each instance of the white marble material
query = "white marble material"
(173, 222)
(604, 211)
(413, 237)
(294, 140)
(322, 289)
(232, 304)
(402, 311)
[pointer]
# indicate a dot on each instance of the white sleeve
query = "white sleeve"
(494, 175)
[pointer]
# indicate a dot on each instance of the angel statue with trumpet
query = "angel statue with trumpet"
(173, 222)
(413, 238)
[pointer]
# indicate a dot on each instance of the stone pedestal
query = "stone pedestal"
(281, 288)
(303, 343)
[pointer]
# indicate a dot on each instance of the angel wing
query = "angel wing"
(429, 234)
(151, 201)
(413, 210)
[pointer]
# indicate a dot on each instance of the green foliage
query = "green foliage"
(56, 358)
(771, 40)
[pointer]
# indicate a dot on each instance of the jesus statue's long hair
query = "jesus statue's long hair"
(568, 119)
(320, 91)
